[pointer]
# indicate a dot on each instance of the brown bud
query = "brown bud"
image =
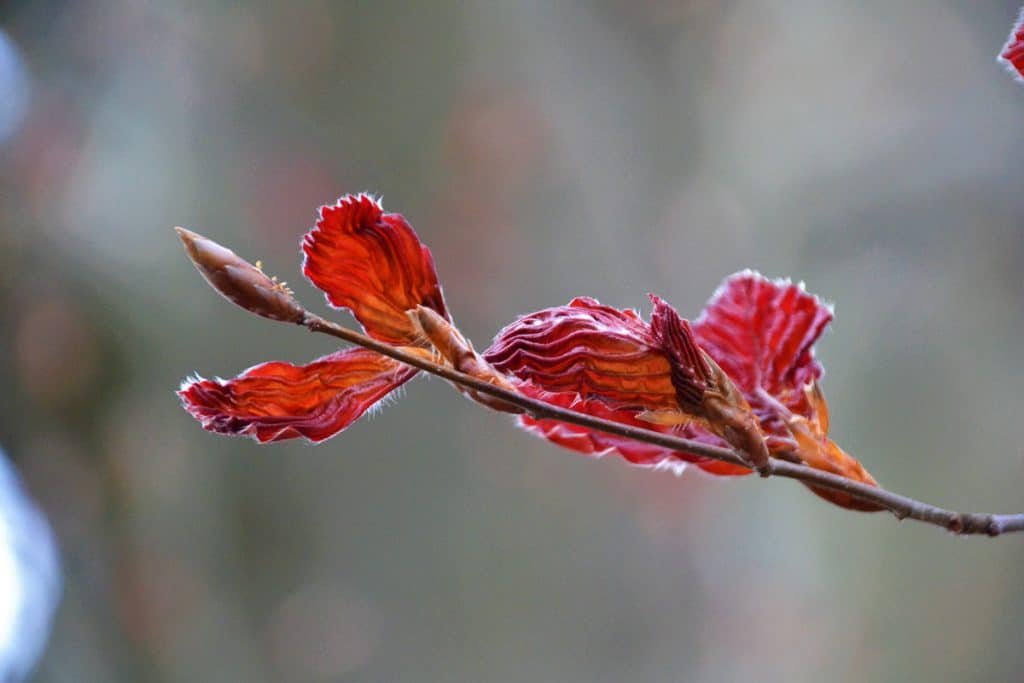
(729, 415)
(239, 281)
(459, 353)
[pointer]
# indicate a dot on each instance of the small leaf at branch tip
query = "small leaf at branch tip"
(1012, 54)
(239, 281)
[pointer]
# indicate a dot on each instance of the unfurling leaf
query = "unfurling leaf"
(690, 371)
(373, 264)
(588, 349)
(654, 373)
(762, 333)
(277, 401)
(364, 260)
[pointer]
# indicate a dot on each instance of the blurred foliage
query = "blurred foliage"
(543, 150)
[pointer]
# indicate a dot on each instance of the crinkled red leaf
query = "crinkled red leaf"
(585, 348)
(690, 371)
(276, 401)
(595, 443)
(373, 264)
(1012, 55)
(762, 333)
(609, 363)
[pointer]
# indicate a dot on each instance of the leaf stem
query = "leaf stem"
(903, 507)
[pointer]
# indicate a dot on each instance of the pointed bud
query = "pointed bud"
(239, 281)
(459, 353)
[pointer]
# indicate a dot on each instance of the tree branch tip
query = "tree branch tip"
(184, 233)
(900, 506)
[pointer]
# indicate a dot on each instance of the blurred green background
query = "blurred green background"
(543, 150)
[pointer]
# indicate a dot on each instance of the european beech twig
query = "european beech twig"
(247, 286)
(903, 507)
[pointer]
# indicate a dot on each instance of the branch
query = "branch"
(901, 506)
(247, 286)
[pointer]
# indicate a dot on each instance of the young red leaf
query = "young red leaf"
(703, 389)
(656, 372)
(762, 333)
(373, 264)
(365, 260)
(277, 401)
(819, 451)
(588, 349)
(1012, 54)
(690, 370)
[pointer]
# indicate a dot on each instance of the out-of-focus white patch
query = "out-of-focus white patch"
(14, 87)
(10, 588)
(673, 465)
(30, 582)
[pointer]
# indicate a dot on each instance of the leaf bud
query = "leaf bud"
(239, 281)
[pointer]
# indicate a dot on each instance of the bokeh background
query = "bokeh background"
(543, 150)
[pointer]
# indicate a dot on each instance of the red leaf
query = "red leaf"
(609, 363)
(276, 401)
(762, 333)
(584, 348)
(373, 264)
(690, 371)
(1012, 55)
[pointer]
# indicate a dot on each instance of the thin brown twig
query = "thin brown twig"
(249, 287)
(903, 507)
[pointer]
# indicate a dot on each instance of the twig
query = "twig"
(249, 287)
(901, 506)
